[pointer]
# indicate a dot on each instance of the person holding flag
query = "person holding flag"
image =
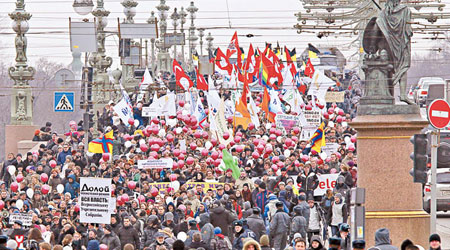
(103, 144)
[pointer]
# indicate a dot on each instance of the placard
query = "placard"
(25, 218)
(330, 148)
(95, 200)
(287, 122)
(155, 163)
(307, 132)
(312, 117)
(333, 96)
(162, 186)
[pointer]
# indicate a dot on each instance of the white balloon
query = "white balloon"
(323, 155)
(169, 199)
(179, 130)
(127, 144)
(187, 106)
(11, 169)
(344, 124)
(332, 116)
(19, 204)
(287, 153)
(330, 124)
(336, 110)
(184, 112)
(172, 122)
(162, 133)
(208, 145)
(175, 185)
(265, 138)
(279, 139)
(141, 141)
(268, 126)
(136, 123)
(182, 236)
(30, 193)
(60, 188)
(347, 140)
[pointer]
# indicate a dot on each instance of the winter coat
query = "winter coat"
(339, 213)
(72, 188)
(222, 218)
(220, 243)
(149, 235)
(298, 225)
(197, 245)
(280, 223)
(251, 242)
(129, 235)
(348, 179)
(382, 240)
(207, 229)
(238, 242)
(111, 240)
(62, 157)
(256, 224)
(317, 238)
(309, 182)
(247, 210)
(262, 199)
(240, 183)
(190, 235)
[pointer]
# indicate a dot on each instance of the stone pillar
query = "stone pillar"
(392, 199)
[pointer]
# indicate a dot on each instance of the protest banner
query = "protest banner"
(95, 197)
(330, 148)
(162, 186)
(312, 117)
(332, 96)
(287, 122)
(307, 132)
(155, 163)
(25, 218)
(326, 181)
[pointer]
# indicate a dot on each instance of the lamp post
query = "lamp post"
(99, 61)
(21, 73)
(175, 21)
(129, 9)
(163, 58)
(201, 33)
(209, 40)
(183, 16)
(152, 20)
(192, 9)
(127, 76)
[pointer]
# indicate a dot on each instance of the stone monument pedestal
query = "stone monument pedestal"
(392, 199)
(16, 133)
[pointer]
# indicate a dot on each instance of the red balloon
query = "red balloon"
(272, 137)
(44, 177)
(144, 148)
(269, 150)
(155, 120)
(304, 158)
(209, 161)
(163, 122)
(155, 130)
(103, 247)
(173, 177)
(181, 157)
(278, 132)
(141, 198)
(313, 151)
(330, 111)
(232, 143)
(45, 189)
(320, 105)
(175, 165)
(272, 130)
(353, 139)
(105, 156)
(14, 186)
(326, 116)
(251, 126)
(155, 148)
(275, 159)
(338, 155)
(125, 198)
(239, 134)
(351, 148)
(205, 135)
(180, 163)
(19, 178)
(230, 119)
(185, 130)
(296, 130)
(226, 135)
(131, 185)
(197, 134)
(274, 167)
(205, 152)
(297, 163)
(176, 152)
(295, 139)
(214, 155)
(131, 121)
(76, 208)
(256, 141)
(280, 164)
(308, 107)
(154, 191)
(181, 103)
(320, 161)
(239, 149)
(190, 160)
(237, 139)
(255, 155)
(214, 141)
(52, 163)
(193, 146)
(217, 162)
(288, 142)
(339, 119)
(193, 121)
(221, 146)
(260, 148)
(2, 205)
(169, 137)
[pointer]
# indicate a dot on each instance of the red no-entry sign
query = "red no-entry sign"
(439, 113)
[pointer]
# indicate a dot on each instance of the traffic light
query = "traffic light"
(443, 155)
(91, 120)
(420, 158)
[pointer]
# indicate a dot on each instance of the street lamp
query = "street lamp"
(83, 7)
(21, 73)
(162, 7)
(175, 21)
(201, 33)
(129, 9)
(152, 20)
(209, 39)
(183, 16)
(192, 9)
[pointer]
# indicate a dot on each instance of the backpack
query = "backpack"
(221, 244)
(33, 245)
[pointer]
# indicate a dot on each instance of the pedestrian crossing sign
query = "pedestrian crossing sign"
(64, 101)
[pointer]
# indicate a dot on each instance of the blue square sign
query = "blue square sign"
(64, 102)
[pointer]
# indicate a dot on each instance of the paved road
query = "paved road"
(443, 229)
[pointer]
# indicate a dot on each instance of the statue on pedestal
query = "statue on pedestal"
(387, 44)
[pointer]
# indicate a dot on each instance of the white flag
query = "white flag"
(319, 85)
(123, 110)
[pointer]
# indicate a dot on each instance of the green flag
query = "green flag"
(231, 163)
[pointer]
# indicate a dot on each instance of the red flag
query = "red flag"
(290, 63)
(245, 90)
(309, 69)
(182, 79)
(233, 48)
(201, 82)
(223, 62)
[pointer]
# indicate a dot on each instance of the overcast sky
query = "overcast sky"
(245, 16)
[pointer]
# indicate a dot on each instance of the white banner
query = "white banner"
(330, 148)
(155, 163)
(26, 219)
(307, 133)
(326, 181)
(332, 96)
(312, 117)
(95, 200)
(287, 122)
(163, 106)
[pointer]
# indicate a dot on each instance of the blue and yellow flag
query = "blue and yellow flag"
(318, 139)
(102, 145)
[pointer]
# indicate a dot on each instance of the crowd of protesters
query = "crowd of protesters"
(270, 205)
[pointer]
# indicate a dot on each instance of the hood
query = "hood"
(218, 210)
(282, 194)
(247, 205)
(204, 218)
(272, 197)
(72, 176)
(382, 237)
(249, 242)
(317, 238)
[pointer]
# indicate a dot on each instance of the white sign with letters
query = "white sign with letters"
(26, 219)
(155, 163)
(95, 200)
